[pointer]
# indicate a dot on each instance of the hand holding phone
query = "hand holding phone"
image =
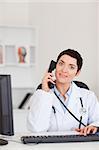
(52, 66)
(47, 81)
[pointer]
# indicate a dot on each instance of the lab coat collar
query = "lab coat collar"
(58, 93)
(76, 91)
(75, 95)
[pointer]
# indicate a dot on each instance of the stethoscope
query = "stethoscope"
(82, 111)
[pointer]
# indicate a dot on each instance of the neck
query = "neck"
(62, 88)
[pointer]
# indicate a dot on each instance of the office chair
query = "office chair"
(78, 83)
(28, 95)
(81, 84)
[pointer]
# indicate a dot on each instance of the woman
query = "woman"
(66, 106)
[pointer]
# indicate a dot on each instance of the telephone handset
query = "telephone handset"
(52, 66)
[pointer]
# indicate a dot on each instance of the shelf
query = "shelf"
(18, 54)
(17, 45)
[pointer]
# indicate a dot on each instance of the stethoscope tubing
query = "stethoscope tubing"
(80, 121)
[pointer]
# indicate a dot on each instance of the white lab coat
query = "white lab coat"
(42, 118)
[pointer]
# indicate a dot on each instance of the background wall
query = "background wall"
(67, 25)
(60, 25)
(98, 47)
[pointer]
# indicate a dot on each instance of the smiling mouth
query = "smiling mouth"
(63, 76)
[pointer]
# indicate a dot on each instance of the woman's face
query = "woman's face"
(66, 69)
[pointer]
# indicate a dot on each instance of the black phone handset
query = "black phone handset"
(52, 66)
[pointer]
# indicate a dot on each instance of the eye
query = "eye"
(72, 67)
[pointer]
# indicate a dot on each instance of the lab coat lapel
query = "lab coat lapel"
(57, 104)
(76, 91)
(74, 98)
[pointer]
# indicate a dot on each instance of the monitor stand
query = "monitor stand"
(3, 142)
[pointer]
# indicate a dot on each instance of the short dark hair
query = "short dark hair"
(73, 54)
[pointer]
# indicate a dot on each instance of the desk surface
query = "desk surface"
(59, 146)
(14, 143)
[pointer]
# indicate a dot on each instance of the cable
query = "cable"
(70, 111)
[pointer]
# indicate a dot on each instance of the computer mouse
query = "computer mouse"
(3, 142)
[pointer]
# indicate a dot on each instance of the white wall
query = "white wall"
(46, 1)
(98, 47)
(60, 26)
(67, 25)
(14, 13)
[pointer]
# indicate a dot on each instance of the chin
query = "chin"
(64, 81)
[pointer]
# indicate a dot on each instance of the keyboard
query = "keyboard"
(59, 138)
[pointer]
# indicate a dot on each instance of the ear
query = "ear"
(77, 74)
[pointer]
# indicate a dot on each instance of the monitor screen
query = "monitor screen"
(6, 110)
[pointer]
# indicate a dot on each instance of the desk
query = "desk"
(61, 146)
(15, 144)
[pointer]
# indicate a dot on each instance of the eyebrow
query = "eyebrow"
(69, 64)
(62, 61)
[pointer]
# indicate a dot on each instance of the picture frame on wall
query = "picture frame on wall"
(23, 55)
(14, 55)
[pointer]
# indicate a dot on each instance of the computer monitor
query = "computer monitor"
(6, 109)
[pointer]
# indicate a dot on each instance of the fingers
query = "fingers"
(90, 129)
(87, 130)
(48, 77)
(77, 129)
(95, 130)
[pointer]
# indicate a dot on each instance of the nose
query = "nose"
(65, 69)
